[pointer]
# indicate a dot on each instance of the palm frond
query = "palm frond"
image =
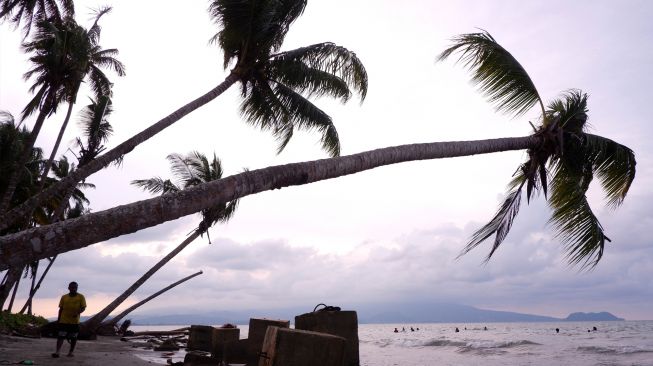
(497, 73)
(249, 29)
(571, 110)
(156, 185)
(502, 220)
(576, 225)
(309, 81)
(332, 59)
(303, 114)
(614, 164)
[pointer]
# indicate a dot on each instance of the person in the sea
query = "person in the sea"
(484, 328)
(594, 329)
(557, 330)
(412, 329)
(396, 330)
(71, 306)
(457, 330)
(403, 329)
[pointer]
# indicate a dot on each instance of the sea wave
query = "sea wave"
(622, 350)
(494, 347)
(443, 343)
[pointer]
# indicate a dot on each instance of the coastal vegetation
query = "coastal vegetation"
(39, 221)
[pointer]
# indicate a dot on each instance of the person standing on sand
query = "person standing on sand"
(70, 306)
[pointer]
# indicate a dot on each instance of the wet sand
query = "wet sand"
(103, 351)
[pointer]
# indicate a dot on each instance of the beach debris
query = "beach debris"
(167, 345)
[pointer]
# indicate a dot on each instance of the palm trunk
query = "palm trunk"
(13, 275)
(13, 295)
(94, 322)
(62, 130)
(116, 153)
(120, 316)
(28, 303)
(27, 152)
(36, 288)
(46, 241)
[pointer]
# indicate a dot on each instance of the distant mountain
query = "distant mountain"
(586, 317)
(369, 313)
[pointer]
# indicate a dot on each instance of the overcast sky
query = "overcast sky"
(384, 235)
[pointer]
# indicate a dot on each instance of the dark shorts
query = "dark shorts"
(69, 331)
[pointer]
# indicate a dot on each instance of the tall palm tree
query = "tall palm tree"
(190, 171)
(12, 141)
(64, 55)
(31, 11)
(275, 85)
(96, 130)
(89, 60)
(567, 155)
(614, 164)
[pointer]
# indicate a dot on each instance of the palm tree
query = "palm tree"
(567, 155)
(614, 164)
(274, 85)
(12, 140)
(96, 129)
(89, 59)
(31, 11)
(64, 55)
(190, 171)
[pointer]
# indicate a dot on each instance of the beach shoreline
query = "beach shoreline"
(103, 351)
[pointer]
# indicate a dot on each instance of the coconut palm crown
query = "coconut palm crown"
(63, 55)
(564, 163)
(190, 171)
(276, 85)
(31, 11)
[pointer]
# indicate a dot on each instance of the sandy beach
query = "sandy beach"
(103, 351)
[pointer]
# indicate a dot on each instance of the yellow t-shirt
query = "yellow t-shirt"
(71, 306)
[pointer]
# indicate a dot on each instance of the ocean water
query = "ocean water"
(627, 343)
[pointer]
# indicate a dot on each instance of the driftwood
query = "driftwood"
(160, 333)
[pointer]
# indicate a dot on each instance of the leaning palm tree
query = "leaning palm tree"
(612, 163)
(190, 171)
(31, 11)
(64, 54)
(566, 160)
(113, 321)
(275, 84)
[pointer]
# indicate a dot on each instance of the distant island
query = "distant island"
(371, 313)
(586, 317)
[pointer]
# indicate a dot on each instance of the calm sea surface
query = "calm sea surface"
(614, 343)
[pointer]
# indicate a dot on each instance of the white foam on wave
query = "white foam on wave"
(618, 350)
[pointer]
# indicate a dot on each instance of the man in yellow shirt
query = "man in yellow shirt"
(70, 306)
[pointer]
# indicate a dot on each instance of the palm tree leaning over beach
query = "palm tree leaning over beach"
(64, 54)
(31, 12)
(574, 157)
(275, 85)
(190, 171)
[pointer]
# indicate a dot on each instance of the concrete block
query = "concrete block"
(193, 359)
(340, 323)
(292, 347)
(257, 329)
(200, 338)
(220, 337)
(236, 352)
